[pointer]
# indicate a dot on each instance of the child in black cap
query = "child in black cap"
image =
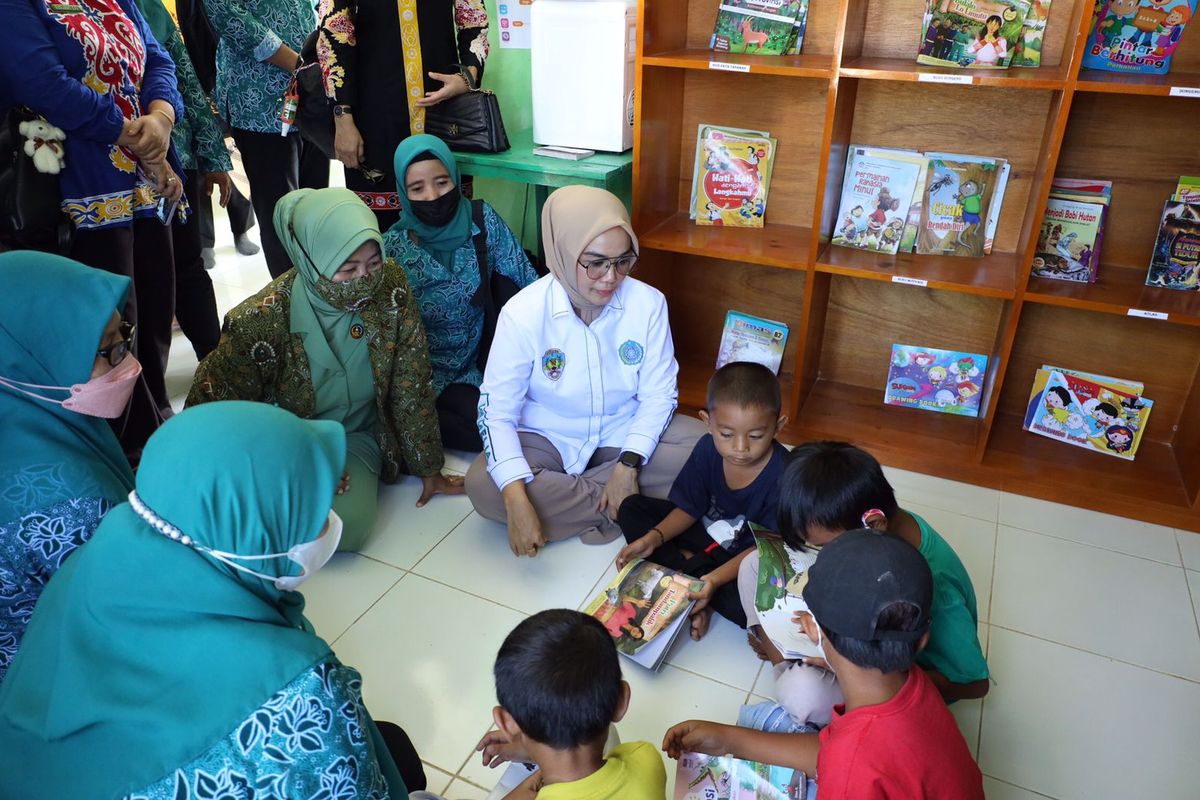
(869, 597)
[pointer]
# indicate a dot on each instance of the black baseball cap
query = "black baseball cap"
(858, 575)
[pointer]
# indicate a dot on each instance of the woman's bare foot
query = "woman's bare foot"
(700, 622)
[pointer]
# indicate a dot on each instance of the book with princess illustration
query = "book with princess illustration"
(1028, 49)
(876, 193)
(1082, 409)
(976, 34)
(749, 338)
(644, 608)
(946, 381)
(1072, 230)
(1136, 36)
(704, 777)
(955, 207)
(1175, 263)
(763, 27)
(782, 573)
(732, 176)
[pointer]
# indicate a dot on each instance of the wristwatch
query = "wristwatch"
(341, 110)
(631, 459)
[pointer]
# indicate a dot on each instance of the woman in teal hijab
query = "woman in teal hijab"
(337, 337)
(435, 243)
(165, 661)
(60, 470)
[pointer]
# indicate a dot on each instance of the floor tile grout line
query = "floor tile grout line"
(905, 504)
(459, 776)
(1019, 786)
(695, 674)
(1089, 544)
(439, 542)
(1188, 584)
(1076, 648)
(367, 610)
(987, 649)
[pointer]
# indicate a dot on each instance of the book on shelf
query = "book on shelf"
(1096, 412)
(732, 176)
(704, 777)
(782, 573)
(643, 609)
(1175, 263)
(876, 192)
(749, 338)
(796, 43)
(764, 27)
(1072, 230)
(955, 207)
(1188, 190)
(1136, 36)
(1028, 49)
(975, 34)
(1003, 169)
(947, 381)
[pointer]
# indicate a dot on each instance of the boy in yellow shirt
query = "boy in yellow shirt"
(559, 686)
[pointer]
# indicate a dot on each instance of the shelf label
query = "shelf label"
(941, 77)
(1137, 312)
(909, 281)
(1185, 91)
(727, 67)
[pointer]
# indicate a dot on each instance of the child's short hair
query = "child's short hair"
(557, 675)
(831, 485)
(745, 384)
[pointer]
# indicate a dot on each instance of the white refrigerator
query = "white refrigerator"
(582, 59)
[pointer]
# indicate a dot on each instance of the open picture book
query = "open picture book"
(643, 608)
(782, 573)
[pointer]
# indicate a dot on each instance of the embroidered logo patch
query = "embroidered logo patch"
(357, 330)
(631, 353)
(553, 362)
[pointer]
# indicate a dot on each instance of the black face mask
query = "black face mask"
(437, 212)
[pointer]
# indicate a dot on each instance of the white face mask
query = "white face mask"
(820, 642)
(311, 556)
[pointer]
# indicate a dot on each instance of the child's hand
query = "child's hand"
(497, 748)
(696, 736)
(703, 595)
(641, 548)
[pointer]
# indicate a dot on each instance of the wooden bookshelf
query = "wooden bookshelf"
(857, 82)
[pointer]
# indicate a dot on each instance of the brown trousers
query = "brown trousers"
(569, 505)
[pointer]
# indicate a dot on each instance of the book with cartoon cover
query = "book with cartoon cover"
(797, 41)
(732, 177)
(704, 777)
(1076, 410)
(763, 27)
(876, 192)
(976, 34)
(782, 573)
(1003, 169)
(1175, 263)
(1028, 49)
(1136, 36)
(749, 338)
(947, 381)
(643, 608)
(955, 207)
(1068, 247)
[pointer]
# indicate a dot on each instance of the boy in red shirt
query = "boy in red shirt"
(869, 597)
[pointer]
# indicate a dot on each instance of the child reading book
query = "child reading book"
(559, 688)
(832, 487)
(870, 597)
(730, 481)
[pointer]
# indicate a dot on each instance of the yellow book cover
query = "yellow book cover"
(733, 177)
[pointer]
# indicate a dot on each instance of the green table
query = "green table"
(611, 171)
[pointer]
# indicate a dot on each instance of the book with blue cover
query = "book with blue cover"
(946, 381)
(1136, 36)
(749, 338)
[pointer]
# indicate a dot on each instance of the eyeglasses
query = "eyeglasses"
(599, 268)
(117, 352)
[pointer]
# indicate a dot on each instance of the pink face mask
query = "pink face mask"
(105, 396)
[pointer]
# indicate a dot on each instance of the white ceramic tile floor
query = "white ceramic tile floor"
(1092, 630)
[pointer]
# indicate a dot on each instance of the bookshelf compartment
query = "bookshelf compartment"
(1185, 71)
(667, 28)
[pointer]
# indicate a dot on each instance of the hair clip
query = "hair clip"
(871, 513)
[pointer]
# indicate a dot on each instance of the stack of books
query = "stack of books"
(763, 27)
(1068, 247)
(1082, 409)
(731, 176)
(1176, 260)
(983, 34)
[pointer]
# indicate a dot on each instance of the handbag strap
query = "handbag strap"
(414, 73)
(480, 241)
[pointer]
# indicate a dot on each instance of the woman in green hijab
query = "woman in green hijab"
(61, 467)
(170, 657)
(338, 337)
(436, 243)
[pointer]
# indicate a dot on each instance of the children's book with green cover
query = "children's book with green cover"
(782, 573)
(763, 27)
(797, 40)
(1029, 44)
(977, 34)
(954, 209)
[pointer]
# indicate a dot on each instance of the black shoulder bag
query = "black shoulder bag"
(470, 123)
(494, 289)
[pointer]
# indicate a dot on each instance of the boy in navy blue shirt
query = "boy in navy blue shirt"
(730, 480)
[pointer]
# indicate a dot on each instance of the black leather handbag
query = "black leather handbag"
(31, 214)
(470, 123)
(314, 109)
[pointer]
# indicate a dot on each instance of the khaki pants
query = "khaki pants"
(568, 505)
